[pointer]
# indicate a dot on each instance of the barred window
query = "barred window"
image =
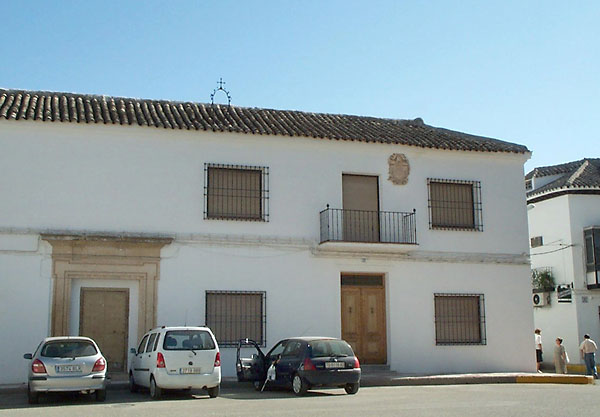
(236, 192)
(591, 236)
(235, 315)
(455, 204)
(459, 319)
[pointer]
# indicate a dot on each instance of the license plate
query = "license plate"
(68, 368)
(193, 370)
(335, 365)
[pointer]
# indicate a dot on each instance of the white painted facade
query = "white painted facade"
(560, 221)
(80, 178)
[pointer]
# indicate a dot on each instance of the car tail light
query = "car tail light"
(309, 365)
(38, 367)
(356, 362)
(217, 360)
(100, 365)
(160, 361)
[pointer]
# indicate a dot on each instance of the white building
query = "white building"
(119, 214)
(564, 227)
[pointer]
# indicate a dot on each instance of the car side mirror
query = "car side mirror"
(28, 356)
(132, 350)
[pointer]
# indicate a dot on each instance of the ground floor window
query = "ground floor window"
(235, 315)
(459, 319)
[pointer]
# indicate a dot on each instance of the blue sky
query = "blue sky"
(521, 71)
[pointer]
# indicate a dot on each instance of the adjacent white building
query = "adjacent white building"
(564, 227)
(117, 215)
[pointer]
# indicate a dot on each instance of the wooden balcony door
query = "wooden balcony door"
(360, 194)
(363, 317)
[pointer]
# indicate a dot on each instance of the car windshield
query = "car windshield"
(324, 348)
(188, 340)
(68, 349)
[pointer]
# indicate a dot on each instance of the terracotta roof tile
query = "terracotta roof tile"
(81, 108)
(584, 173)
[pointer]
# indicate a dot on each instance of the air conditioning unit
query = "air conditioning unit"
(541, 299)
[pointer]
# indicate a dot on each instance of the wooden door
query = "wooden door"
(360, 194)
(104, 316)
(363, 317)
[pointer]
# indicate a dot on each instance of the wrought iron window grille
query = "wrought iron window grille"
(236, 192)
(235, 315)
(454, 205)
(459, 319)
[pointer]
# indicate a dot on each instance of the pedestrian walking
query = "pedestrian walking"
(538, 349)
(588, 350)
(560, 357)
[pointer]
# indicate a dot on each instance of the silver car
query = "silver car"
(62, 364)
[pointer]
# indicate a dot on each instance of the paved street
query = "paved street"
(529, 400)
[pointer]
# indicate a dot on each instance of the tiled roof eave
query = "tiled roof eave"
(39, 106)
(265, 133)
(557, 190)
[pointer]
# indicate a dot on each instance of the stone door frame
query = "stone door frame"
(104, 258)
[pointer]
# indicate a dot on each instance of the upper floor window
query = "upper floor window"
(537, 241)
(236, 192)
(455, 205)
(592, 255)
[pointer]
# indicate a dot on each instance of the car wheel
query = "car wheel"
(299, 385)
(214, 391)
(155, 390)
(100, 395)
(32, 396)
(132, 385)
(352, 388)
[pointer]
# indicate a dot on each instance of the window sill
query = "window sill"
(238, 219)
(593, 286)
(457, 229)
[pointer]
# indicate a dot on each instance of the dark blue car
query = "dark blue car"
(301, 363)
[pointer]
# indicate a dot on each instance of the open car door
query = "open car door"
(253, 368)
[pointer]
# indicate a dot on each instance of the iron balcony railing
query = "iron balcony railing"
(340, 225)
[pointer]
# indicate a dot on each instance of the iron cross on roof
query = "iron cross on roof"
(220, 83)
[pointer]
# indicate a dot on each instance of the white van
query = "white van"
(176, 358)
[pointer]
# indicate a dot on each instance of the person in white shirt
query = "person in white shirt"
(588, 350)
(538, 349)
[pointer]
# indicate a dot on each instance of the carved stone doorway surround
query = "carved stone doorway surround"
(104, 257)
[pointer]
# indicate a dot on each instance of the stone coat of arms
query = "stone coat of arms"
(399, 168)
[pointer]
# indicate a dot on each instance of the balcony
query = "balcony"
(339, 225)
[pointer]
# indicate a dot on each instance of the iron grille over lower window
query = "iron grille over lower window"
(236, 192)
(235, 315)
(459, 319)
(455, 205)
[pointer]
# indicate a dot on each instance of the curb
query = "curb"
(466, 379)
(555, 379)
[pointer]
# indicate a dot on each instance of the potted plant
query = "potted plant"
(542, 280)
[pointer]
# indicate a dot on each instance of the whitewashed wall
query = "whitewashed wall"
(110, 178)
(303, 298)
(83, 178)
(561, 221)
(25, 286)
